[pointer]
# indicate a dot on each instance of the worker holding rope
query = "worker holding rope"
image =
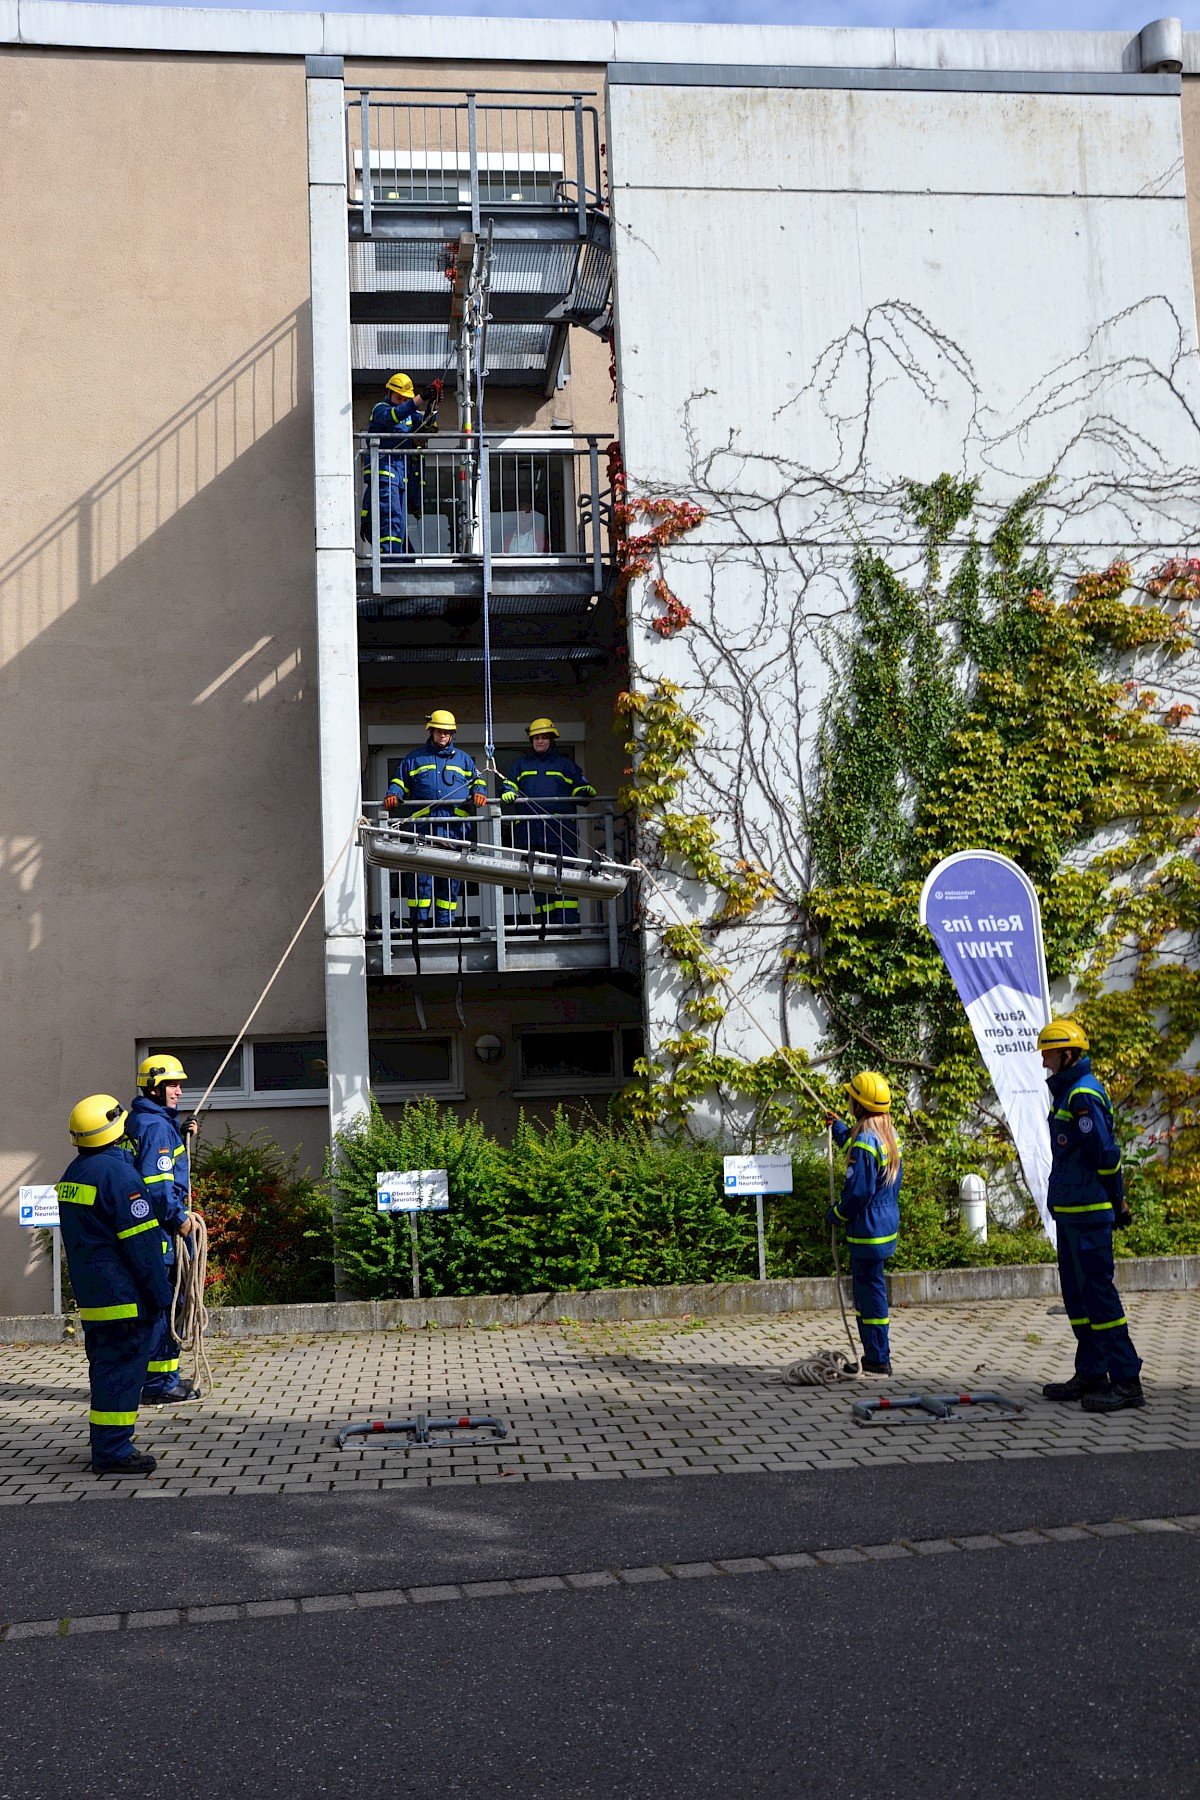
(448, 788)
(160, 1152)
(869, 1208)
(399, 419)
(551, 785)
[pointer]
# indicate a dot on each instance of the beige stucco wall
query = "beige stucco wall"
(156, 579)
(1190, 108)
(158, 820)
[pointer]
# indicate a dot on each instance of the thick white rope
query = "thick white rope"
(827, 1366)
(189, 1325)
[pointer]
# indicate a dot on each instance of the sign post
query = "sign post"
(759, 1175)
(413, 1191)
(38, 1206)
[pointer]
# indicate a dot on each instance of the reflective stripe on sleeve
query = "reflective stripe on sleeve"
(1115, 1170)
(150, 1180)
(890, 1239)
(97, 1314)
(1096, 1206)
(106, 1418)
(133, 1230)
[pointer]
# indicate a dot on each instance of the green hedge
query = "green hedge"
(566, 1206)
(578, 1207)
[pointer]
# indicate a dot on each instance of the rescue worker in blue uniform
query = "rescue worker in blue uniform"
(394, 420)
(1087, 1199)
(161, 1158)
(869, 1208)
(113, 1242)
(437, 783)
(549, 786)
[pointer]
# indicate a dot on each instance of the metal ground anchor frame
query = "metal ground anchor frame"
(420, 1429)
(939, 1406)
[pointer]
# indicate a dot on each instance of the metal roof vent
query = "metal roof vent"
(1161, 47)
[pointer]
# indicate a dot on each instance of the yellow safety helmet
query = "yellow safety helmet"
(400, 384)
(1062, 1034)
(441, 720)
(542, 728)
(100, 1119)
(153, 1069)
(871, 1091)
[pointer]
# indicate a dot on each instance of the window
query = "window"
(576, 1060)
(293, 1071)
(403, 1067)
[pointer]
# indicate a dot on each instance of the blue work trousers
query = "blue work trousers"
(162, 1367)
(433, 899)
(117, 1353)
(393, 508)
(1085, 1270)
(871, 1306)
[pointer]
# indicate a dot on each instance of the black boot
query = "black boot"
(1076, 1388)
(876, 1368)
(183, 1390)
(1115, 1398)
(137, 1464)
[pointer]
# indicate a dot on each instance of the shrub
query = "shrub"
(270, 1230)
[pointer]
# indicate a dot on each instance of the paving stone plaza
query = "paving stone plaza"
(595, 1402)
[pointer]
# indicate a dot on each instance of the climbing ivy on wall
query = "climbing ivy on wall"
(982, 700)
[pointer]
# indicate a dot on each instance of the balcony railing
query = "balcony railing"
(496, 929)
(549, 504)
(412, 149)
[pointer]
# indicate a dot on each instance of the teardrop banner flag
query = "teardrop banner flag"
(984, 915)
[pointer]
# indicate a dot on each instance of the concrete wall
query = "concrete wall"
(822, 294)
(156, 667)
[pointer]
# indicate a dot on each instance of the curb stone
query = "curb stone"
(713, 1300)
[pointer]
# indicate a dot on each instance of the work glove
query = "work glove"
(481, 799)
(1122, 1217)
(585, 793)
(831, 1217)
(391, 803)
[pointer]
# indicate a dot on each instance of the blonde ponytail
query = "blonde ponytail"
(885, 1131)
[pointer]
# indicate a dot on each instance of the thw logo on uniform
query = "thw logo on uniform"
(139, 1208)
(165, 1164)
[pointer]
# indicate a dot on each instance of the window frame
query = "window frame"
(245, 1098)
(548, 1087)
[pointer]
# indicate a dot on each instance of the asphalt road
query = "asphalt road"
(1063, 1667)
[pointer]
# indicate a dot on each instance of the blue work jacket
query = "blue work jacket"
(445, 781)
(112, 1237)
(1086, 1181)
(392, 425)
(546, 779)
(161, 1158)
(869, 1206)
